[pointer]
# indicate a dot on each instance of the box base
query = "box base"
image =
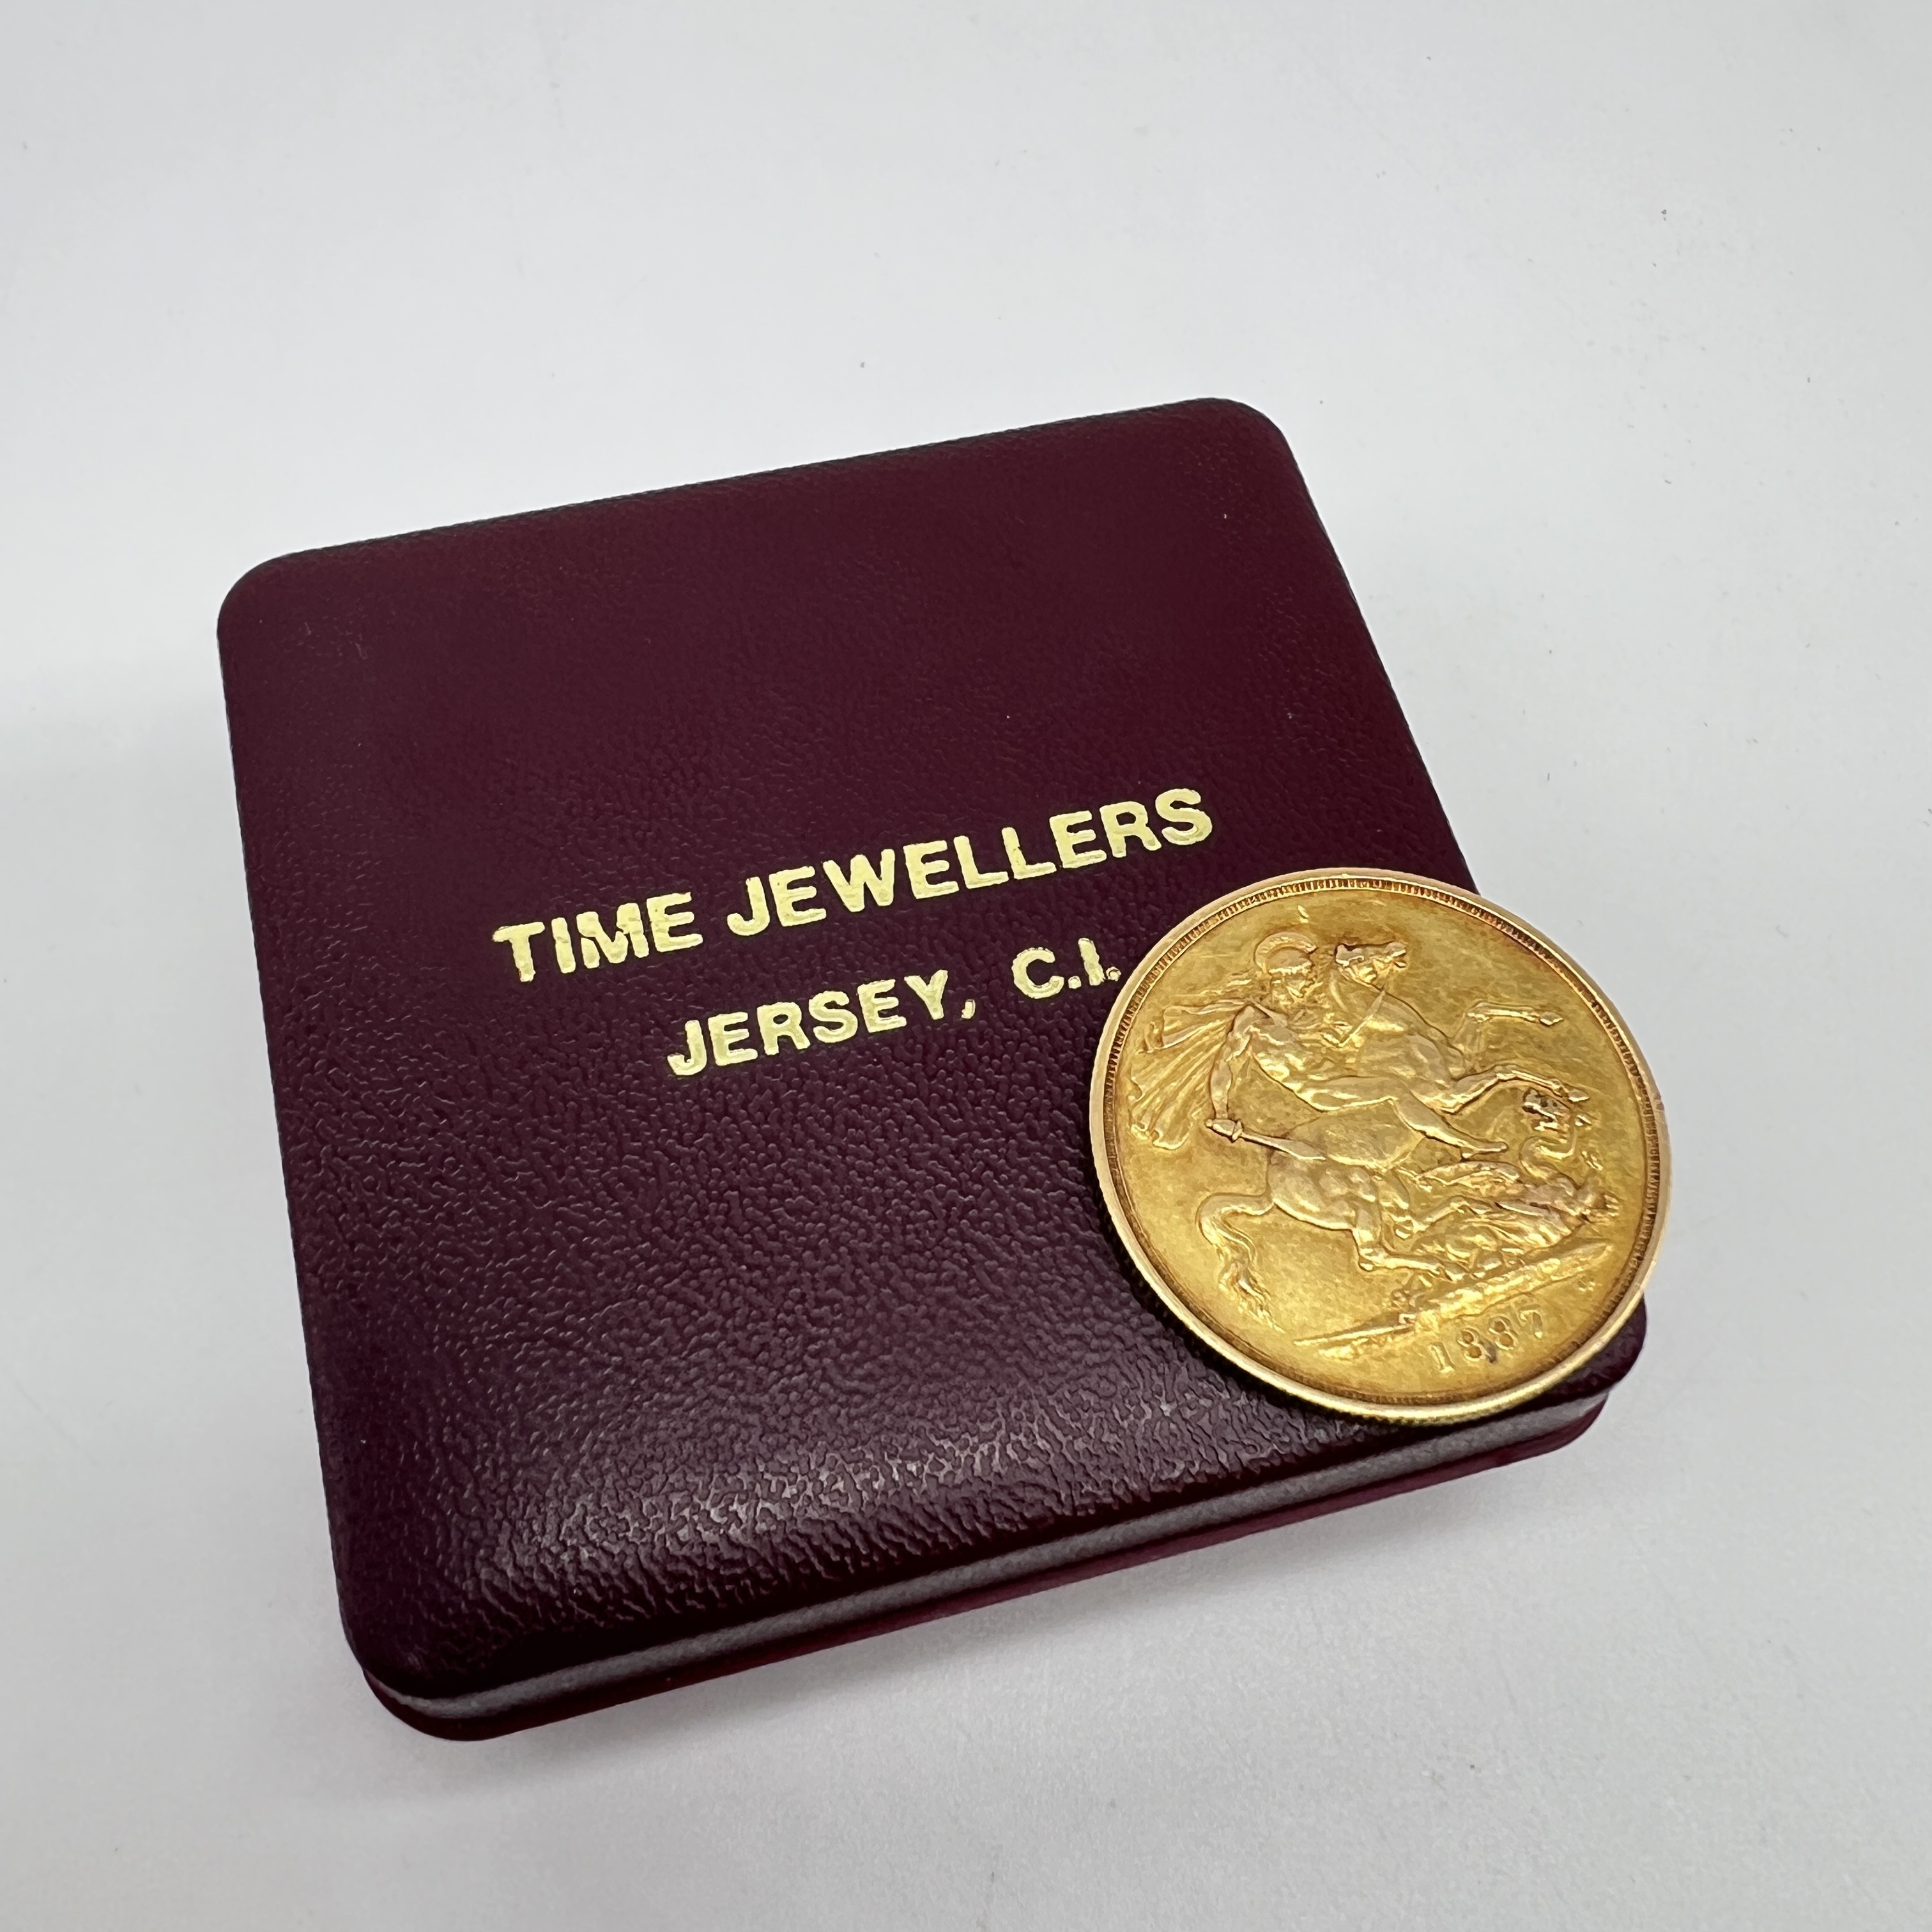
(1433, 1458)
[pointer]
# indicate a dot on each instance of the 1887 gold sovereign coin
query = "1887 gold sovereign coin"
(1381, 1144)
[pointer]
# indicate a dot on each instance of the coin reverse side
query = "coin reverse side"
(1380, 1144)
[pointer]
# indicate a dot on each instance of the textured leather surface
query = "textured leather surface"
(604, 1358)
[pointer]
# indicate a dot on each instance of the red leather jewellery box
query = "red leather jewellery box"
(685, 924)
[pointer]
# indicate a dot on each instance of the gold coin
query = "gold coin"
(1380, 1144)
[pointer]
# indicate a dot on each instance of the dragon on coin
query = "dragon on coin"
(1450, 1218)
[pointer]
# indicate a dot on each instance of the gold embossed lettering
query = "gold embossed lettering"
(694, 1059)
(1071, 831)
(1127, 819)
(1185, 825)
(518, 939)
(598, 946)
(729, 1032)
(880, 1007)
(1090, 957)
(665, 920)
(1023, 973)
(745, 924)
(1024, 868)
(931, 991)
(923, 870)
(835, 1018)
(782, 1020)
(852, 887)
(790, 893)
(969, 869)
(562, 946)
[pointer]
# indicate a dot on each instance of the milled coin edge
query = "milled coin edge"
(1285, 886)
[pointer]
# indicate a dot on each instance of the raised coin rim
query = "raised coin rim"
(1287, 886)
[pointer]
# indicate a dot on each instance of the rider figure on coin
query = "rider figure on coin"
(1298, 1040)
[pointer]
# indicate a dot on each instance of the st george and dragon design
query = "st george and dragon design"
(1380, 1143)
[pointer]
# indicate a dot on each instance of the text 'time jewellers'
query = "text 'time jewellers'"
(927, 868)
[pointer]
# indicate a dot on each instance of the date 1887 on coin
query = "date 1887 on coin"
(1381, 1144)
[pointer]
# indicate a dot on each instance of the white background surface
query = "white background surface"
(1601, 334)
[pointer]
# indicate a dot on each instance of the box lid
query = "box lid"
(678, 1253)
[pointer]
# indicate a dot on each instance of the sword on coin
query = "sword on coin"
(1230, 1129)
